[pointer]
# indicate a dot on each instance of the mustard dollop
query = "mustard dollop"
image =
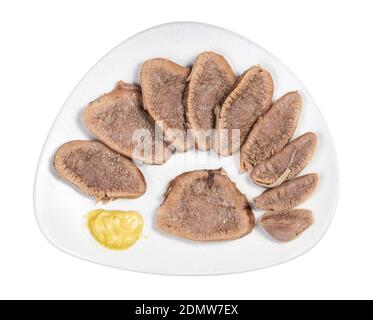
(114, 229)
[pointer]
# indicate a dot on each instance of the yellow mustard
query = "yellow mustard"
(114, 229)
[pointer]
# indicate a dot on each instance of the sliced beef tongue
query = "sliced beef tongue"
(205, 205)
(210, 81)
(250, 99)
(163, 84)
(272, 131)
(99, 171)
(119, 120)
(288, 195)
(287, 163)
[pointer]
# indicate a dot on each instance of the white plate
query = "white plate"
(60, 208)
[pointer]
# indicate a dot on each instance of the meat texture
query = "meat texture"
(251, 98)
(119, 120)
(99, 171)
(288, 195)
(205, 205)
(210, 81)
(163, 84)
(272, 131)
(287, 163)
(286, 225)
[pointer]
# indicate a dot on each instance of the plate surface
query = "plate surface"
(60, 209)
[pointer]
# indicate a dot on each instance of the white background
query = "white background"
(46, 47)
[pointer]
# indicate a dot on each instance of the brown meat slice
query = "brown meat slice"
(119, 120)
(251, 97)
(163, 83)
(286, 225)
(288, 195)
(205, 205)
(272, 131)
(99, 171)
(210, 81)
(287, 163)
